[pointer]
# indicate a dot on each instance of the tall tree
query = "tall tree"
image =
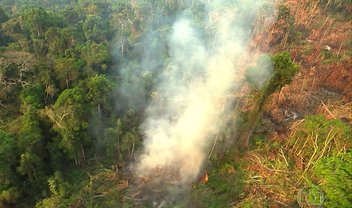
(38, 20)
(67, 71)
(97, 57)
(69, 116)
(56, 41)
(99, 95)
(30, 136)
(96, 28)
(9, 192)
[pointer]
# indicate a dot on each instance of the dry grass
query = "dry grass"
(278, 170)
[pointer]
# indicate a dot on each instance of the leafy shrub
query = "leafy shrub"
(319, 137)
(284, 71)
(225, 185)
(279, 68)
(336, 182)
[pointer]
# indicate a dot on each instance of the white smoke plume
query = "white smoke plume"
(204, 68)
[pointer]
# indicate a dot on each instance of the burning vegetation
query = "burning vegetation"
(191, 103)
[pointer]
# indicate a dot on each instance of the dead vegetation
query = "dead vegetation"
(284, 151)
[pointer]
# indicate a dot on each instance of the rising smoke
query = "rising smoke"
(204, 66)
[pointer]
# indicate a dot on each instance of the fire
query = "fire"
(204, 178)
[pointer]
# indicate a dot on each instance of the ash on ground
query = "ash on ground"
(160, 188)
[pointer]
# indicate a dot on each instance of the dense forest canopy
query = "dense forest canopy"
(77, 79)
(58, 92)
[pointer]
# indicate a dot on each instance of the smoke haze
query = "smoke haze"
(206, 56)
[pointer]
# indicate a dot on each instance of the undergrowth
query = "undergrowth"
(101, 188)
(224, 186)
(314, 158)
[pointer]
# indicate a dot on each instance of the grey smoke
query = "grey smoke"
(204, 66)
(197, 58)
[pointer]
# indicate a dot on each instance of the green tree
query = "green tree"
(9, 192)
(73, 14)
(99, 91)
(97, 57)
(100, 8)
(95, 28)
(35, 20)
(28, 162)
(13, 28)
(69, 116)
(38, 20)
(67, 71)
(73, 35)
(283, 72)
(56, 41)
(40, 47)
(113, 140)
(30, 136)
